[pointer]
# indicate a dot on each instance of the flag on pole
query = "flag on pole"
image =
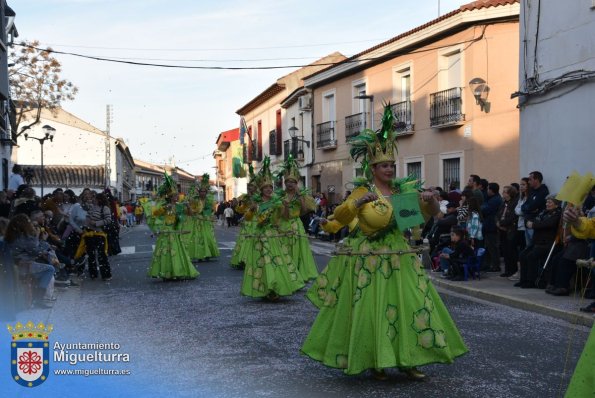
(243, 130)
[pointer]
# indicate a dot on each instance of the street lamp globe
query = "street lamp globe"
(293, 131)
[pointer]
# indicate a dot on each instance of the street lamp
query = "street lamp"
(371, 98)
(48, 135)
(292, 133)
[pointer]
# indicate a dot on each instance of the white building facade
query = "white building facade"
(556, 90)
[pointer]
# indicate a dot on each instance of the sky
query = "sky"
(167, 113)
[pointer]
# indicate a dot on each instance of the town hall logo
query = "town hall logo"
(30, 353)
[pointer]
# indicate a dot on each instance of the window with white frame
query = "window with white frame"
(414, 165)
(451, 70)
(359, 105)
(328, 107)
(402, 82)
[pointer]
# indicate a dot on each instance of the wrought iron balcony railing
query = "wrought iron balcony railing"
(290, 146)
(354, 124)
(402, 112)
(325, 135)
(446, 108)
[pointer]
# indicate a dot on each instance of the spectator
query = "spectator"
(26, 203)
(463, 209)
(535, 202)
(4, 205)
(474, 184)
(24, 242)
(453, 258)
(475, 222)
(490, 232)
(546, 229)
(15, 180)
(506, 221)
(454, 193)
(228, 213)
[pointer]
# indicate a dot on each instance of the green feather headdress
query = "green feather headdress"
(290, 169)
(168, 187)
(376, 146)
(265, 177)
(204, 182)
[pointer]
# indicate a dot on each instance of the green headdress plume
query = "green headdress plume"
(290, 169)
(168, 187)
(376, 146)
(204, 182)
(265, 177)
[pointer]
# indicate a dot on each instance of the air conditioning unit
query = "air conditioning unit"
(305, 102)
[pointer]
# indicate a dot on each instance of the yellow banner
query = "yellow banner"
(576, 188)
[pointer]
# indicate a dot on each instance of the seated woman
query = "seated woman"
(453, 259)
(26, 248)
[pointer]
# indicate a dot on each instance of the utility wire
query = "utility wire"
(217, 49)
(355, 60)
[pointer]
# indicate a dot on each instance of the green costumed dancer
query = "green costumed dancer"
(269, 272)
(296, 204)
(247, 228)
(384, 313)
(201, 243)
(582, 383)
(170, 259)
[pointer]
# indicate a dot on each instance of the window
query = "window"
(451, 167)
(328, 106)
(451, 70)
(414, 169)
(451, 171)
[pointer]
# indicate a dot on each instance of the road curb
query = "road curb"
(577, 318)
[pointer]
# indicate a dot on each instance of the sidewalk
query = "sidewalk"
(499, 290)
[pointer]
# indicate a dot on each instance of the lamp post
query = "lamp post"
(48, 135)
(293, 133)
(371, 98)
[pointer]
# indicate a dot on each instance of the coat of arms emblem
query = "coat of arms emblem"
(29, 353)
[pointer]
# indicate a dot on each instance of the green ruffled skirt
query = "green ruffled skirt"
(200, 242)
(243, 243)
(582, 383)
(380, 312)
(170, 259)
(269, 268)
(296, 238)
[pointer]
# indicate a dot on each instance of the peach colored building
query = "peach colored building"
(432, 75)
(267, 125)
(229, 187)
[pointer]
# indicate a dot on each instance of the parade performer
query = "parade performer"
(385, 313)
(270, 271)
(296, 203)
(170, 259)
(247, 228)
(200, 243)
(582, 383)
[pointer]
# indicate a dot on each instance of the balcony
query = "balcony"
(325, 135)
(290, 147)
(446, 108)
(354, 124)
(402, 112)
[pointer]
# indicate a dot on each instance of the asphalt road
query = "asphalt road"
(201, 338)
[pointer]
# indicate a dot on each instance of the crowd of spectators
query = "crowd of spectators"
(45, 241)
(520, 230)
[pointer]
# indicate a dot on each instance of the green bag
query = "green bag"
(406, 210)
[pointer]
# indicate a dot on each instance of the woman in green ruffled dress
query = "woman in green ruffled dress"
(297, 204)
(384, 313)
(247, 227)
(201, 243)
(170, 259)
(269, 271)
